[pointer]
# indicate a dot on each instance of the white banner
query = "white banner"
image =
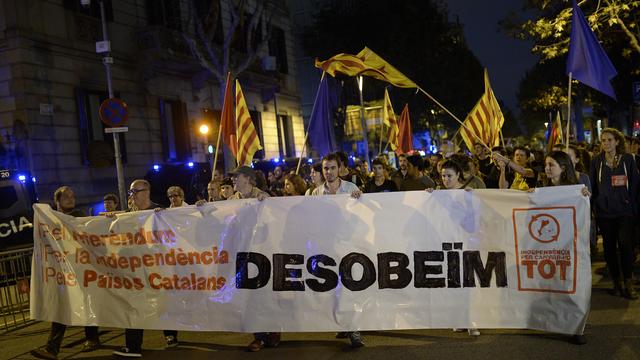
(408, 260)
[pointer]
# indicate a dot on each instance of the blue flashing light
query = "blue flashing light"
(33, 178)
(434, 149)
(22, 177)
(156, 167)
(310, 161)
(190, 164)
(210, 149)
(276, 160)
(97, 208)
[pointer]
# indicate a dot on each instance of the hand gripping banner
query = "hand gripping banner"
(409, 260)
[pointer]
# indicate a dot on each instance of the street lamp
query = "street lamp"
(204, 130)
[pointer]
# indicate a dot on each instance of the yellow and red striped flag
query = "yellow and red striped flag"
(248, 140)
(555, 134)
(484, 122)
(366, 63)
(390, 119)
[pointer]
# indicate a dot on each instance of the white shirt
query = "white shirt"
(345, 187)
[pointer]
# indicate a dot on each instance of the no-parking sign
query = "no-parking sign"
(114, 112)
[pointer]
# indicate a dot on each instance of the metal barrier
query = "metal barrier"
(15, 272)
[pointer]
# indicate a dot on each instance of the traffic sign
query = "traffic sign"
(114, 112)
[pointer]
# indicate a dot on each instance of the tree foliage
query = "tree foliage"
(221, 48)
(417, 38)
(613, 21)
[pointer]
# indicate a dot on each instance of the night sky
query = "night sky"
(506, 58)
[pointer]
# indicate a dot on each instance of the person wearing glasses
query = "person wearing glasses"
(140, 199)
(176, 197)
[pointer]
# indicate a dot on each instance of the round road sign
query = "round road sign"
(114, 112)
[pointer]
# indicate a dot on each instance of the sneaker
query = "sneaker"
(43, 353)
(256, 345)
(474, 332)
(356, 339)
(126, 352)
(172, 341)
(342, 335)
(90, 345)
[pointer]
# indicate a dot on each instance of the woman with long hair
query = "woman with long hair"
(559, 171)
(294, 185)
(614, 179)
(452, 177)
(317, 178)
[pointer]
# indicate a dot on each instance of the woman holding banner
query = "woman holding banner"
(559, 171)
(453, 178)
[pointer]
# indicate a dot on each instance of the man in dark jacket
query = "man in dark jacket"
(65, 202)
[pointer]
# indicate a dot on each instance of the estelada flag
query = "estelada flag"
(227, 120)
(484, 122)
(390, 119)
(555, 134)
(248, 140)
(405, 137)
(365, 63)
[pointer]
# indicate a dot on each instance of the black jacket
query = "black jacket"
(609, 201)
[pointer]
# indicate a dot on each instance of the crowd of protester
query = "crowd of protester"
(608, 170)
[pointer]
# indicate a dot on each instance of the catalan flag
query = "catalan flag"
(248, 140)
(227, 121)
(366, 63)
(555, 134)
(484, 122)
(390, 119)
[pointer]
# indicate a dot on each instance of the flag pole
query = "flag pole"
(215, 157)
(502, 139)
(453, 116)
(568, 111)
(381, 132)
(363, 121)
(306, 136)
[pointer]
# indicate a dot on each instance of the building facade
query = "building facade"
(52, 82)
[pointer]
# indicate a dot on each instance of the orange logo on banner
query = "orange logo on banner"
(546, 249)
(544, 228)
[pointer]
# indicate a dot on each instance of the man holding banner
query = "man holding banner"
(335, 185)
(65, 201)
(140, 195)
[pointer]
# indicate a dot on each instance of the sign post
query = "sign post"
(104, 48)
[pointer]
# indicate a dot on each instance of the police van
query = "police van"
(17, 196)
